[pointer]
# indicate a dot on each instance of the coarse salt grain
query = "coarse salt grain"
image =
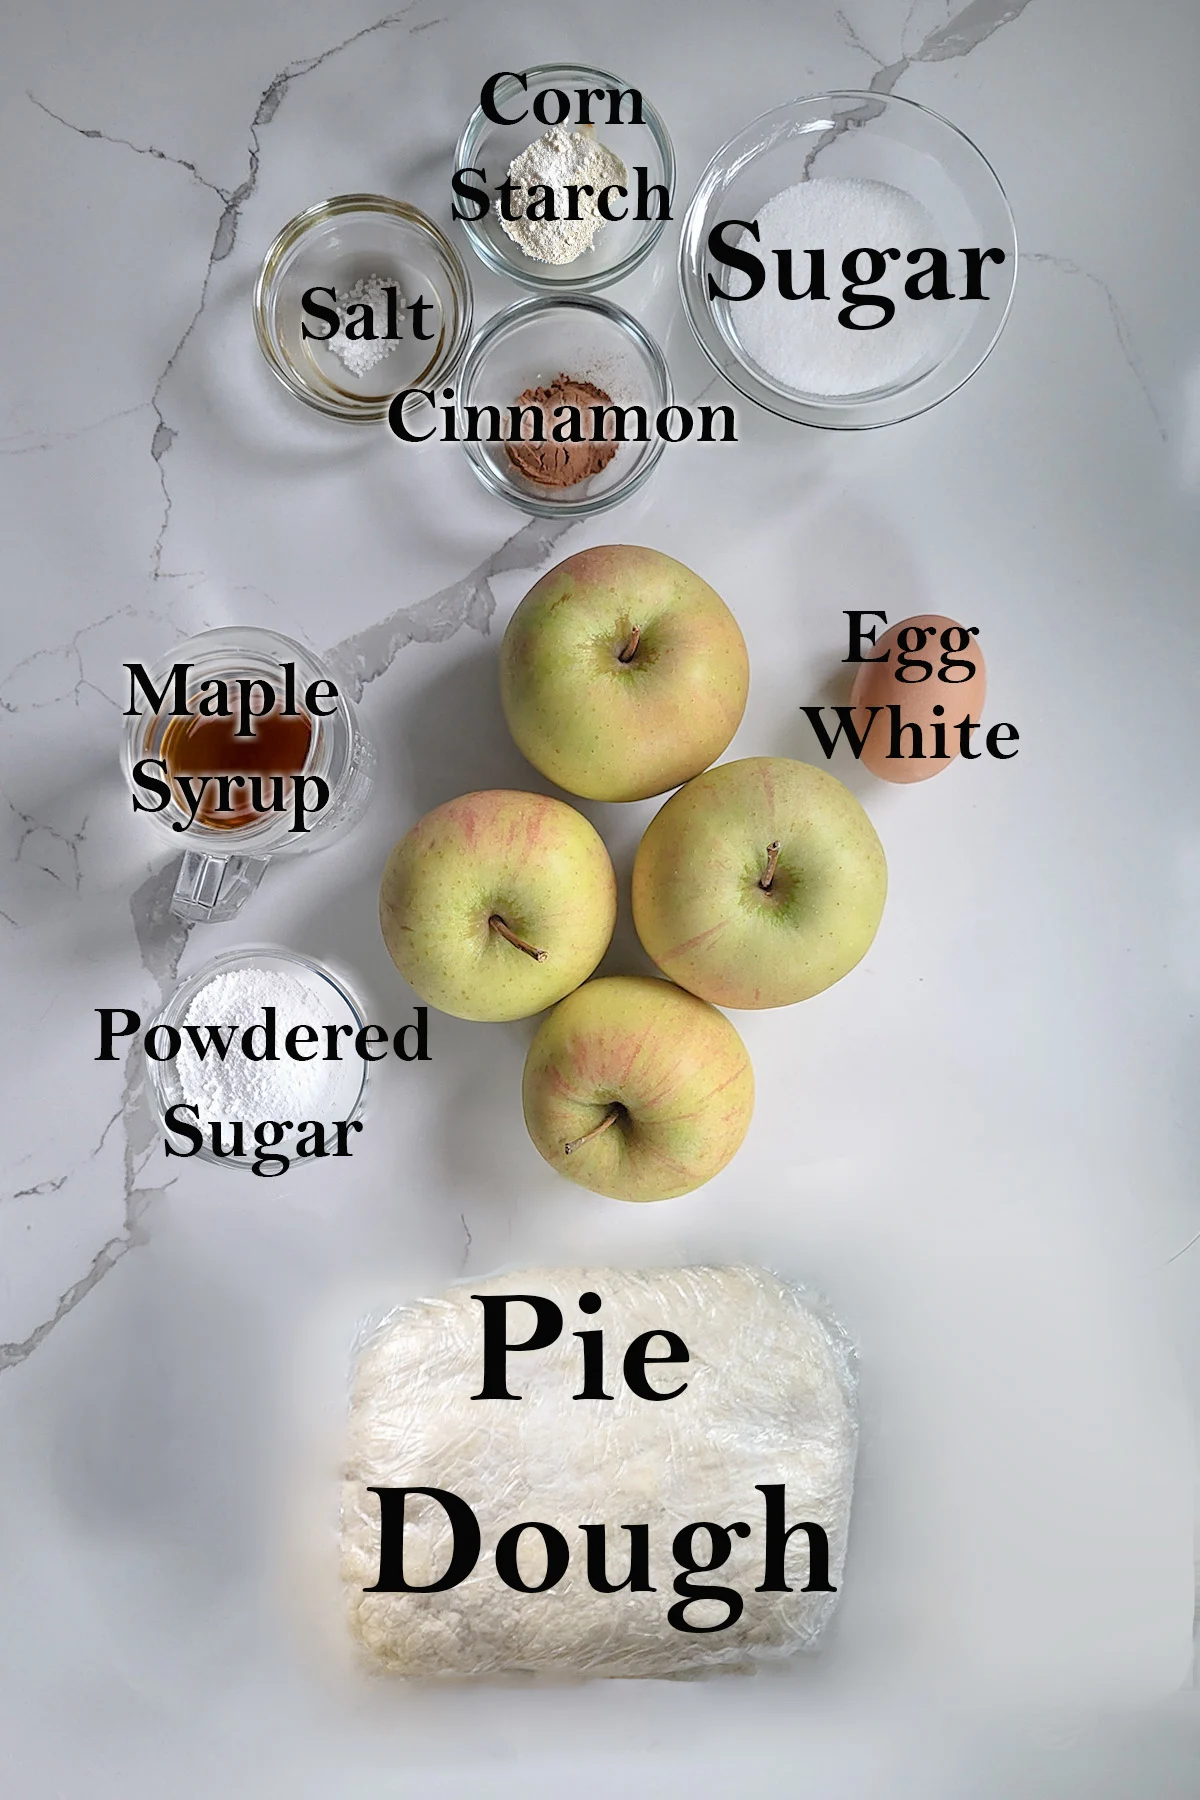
(801, 344)
(361, 354)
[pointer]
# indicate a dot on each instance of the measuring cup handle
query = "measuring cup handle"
(211, 889)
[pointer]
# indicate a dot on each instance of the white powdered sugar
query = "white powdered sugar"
(559, 160)
(238, 1086)
(802, 344)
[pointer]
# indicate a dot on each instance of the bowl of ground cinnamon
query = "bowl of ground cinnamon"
(559, 405)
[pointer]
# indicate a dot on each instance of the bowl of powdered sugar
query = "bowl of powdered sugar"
(565, 178)
(258, 1037)
(849, 260)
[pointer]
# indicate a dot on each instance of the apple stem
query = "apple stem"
(610, 1118)
(630, 651)
(768, 874)
(506, 931)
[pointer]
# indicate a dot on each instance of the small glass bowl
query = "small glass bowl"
(619, 246)
(860, 136)
(336, 244)
(166, 1088)
(527, 346)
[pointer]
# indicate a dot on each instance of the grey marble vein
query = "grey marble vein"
(20, 690)
(72, 873)
(39, 1188)
(855, 37)
(137, 1200)
(31, 443)
(908, 20)
(91, 131)
(53, 1184)
(161, 936)
(12, 1354)
(961, 34)
(968, 29)
(161, 939)
(1181, 1252)
(369, 653)
(1066, 266)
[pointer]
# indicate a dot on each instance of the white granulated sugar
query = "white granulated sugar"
(237, 1087)
(800, 344)
(361, 354)
(560, 159)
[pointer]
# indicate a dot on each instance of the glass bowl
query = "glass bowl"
(348, 1089)
(619, 246)
(337, 244)
(865, 137)
(527, 346)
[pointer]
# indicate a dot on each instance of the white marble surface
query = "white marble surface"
(981, 1145)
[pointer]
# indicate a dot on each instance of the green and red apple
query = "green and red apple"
(497, 904)
(637, 1090)
(622, 674)
(760, 883)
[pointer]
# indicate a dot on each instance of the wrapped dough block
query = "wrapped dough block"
(666, 1491)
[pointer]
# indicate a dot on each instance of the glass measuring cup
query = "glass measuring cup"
(226, 848)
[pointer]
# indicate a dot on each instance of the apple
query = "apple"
(760, 883)
(622, 674)
(637, 1090)
(497, 904)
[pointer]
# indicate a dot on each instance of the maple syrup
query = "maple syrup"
(275, 753)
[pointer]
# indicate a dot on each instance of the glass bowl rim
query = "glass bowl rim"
(370, 410)
(834, 414)
(515, 314)
(168, 1013)
(499, 264)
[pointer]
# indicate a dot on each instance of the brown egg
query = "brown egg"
(932, 680)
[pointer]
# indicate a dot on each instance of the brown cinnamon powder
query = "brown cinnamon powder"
(556, 465)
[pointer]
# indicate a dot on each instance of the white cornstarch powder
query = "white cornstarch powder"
(801, 344)
(560, 159)
(360, 354)
(238, 1087)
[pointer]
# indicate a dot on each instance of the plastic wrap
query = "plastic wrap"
(768, 1401)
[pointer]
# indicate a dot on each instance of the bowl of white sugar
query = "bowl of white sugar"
(848, 260)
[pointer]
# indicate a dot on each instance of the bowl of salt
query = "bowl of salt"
(848, 260)
(360, 297)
